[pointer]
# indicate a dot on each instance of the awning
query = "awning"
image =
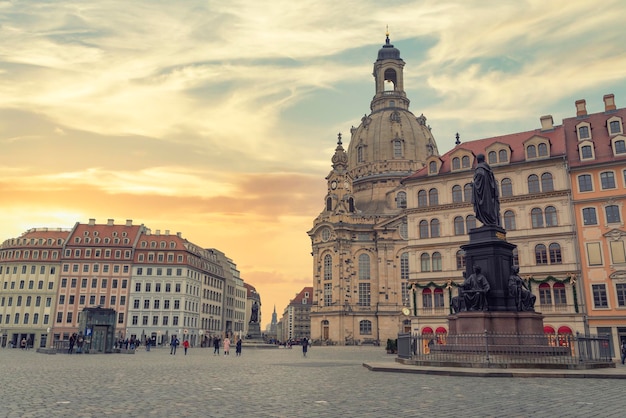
(427, 330)
(441, 330)
(565, 330)
(548, 330)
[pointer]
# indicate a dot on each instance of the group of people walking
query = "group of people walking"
(226, 345)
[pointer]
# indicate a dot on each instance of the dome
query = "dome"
(388, 51)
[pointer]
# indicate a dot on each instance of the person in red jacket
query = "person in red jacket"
(186, 345)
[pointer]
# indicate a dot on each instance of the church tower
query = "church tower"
(360, 263)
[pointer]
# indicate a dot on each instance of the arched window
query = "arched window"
(551, 219)
(433, 197)
(459, 226)
(397, 148)
(401, 200)
(359, 155)
(509, 220)
(432, 167)
(585, 152)
(434, 228)
(543, 150)
(507, 187)
(536, 215)
(504, 157)
(465, 162)
(456, 163)
(404, 277)
(515, 257)
(423, 229)
(467, 192)
(560, 297)
(328, 267)
(436, 261)
(438, 297)
(329, 203)
(427, 299)
(365, 327)
(460, 260)
(351, 204)
(457, 194)
(533, 184)
(364, 267)
(545, 295)
(531, 151)
(422, 199)
(425, 262)
(541, 254)
(470, 222)
(492, 157)
(555, 253)
(546, 182)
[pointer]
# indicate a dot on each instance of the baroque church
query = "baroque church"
(359, 240)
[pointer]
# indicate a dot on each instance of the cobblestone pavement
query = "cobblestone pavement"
(330, 382)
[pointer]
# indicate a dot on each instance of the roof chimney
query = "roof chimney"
(547, 123)
(609, 102)
(157, 232)
(129, 222)
(92, 221)
(110, 222)
(167, 232)
(179, 234)
(581, 107)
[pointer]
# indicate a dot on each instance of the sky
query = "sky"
(219, 119)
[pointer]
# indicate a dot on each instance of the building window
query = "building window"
(404, 277)
(436, 261)
(423, 229)
(465, 162)
(456, 163)
(541, 254)
(620, 290)
(583, 132)
(401, 200)
(427, 298)
(584, 183)
(422, 199)
(599, 296)
(364, 294)
(509, 220)
(614, 127)
(589, 216)
(434, 228)
(533, 184)
(328, 294)
(432, 167)
(551, 219)
(543, 149)
(364, 267)
(545, 295)
(536, 216)
(531, 151)
(359, 154)
(397, 148)
(612, 214)
(365, 327)
(504, 156)
(507, 187)
(460, 260)
(467, 192)
(586, 152)
(470, 223)
(459, 226)
(546, 182)
(433, 197)
(555, 253)
(438, 298)
(515, 257)
(328, 267)
(618, 254)
(620, 146)
(457, 194)
(425, 262)
(607, 180)
(492, 157)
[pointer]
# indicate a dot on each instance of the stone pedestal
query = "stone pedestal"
(475, 322)
(254, 331)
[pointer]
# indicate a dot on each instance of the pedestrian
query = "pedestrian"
(305, 346)
(72, 342)
(216, 346)
(238, 347)
(226, 346)
(623, 351)
(23, 343)
(173, 344)
(186, 345)
(148, 343)
(29, 343)
(79, 344)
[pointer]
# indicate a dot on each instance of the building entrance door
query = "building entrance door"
(98, 339)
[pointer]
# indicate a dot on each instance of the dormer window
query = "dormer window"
(531, 151)
(503, 155)
(497, 156)
(432, 167)
(543, 150)
(618, 144)
(465, 162)
(583, 132)
(586, 152)
(456, 163)
(615, 126)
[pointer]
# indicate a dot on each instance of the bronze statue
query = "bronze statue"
(254, 318)
(475, 289)
(485, 196)
(524, 300)
(458, 303)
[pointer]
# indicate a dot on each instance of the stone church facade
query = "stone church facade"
(359, 240)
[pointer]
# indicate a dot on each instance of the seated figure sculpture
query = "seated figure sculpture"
(458, 303)
(474, 290)
(524, 300)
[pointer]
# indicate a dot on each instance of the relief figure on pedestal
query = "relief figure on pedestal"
(518, 290)
(475, 289)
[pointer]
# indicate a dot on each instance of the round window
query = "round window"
(325, 234)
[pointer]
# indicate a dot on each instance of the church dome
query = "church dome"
(388, 51)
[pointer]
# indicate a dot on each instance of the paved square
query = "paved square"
(329, 382)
